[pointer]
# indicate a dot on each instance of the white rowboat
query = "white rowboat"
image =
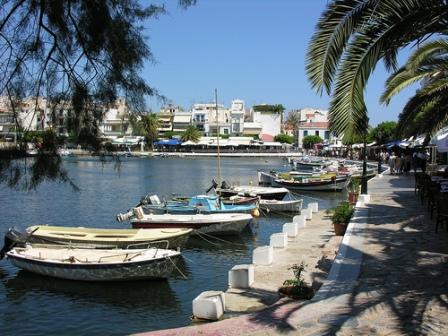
(95, 265)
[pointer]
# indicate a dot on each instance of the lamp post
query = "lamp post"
(364, 163)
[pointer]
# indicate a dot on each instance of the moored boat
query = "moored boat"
(334, 183)
(205, 204)
(93, 264)
(172, 238)
(248, 190)
(281, 206)
(215, 224)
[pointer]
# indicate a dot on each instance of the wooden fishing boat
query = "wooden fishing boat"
(172, 238)
(95, 264)
(335, 183)
(258, 191)
(281, 206)
(215, 224)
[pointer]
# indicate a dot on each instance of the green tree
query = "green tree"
(284, 138)
(383, 133)
(150, 124)
(426, 111)
(351, 37)
(293, 121)
(80, 53)
(191, 134)
(310, 140)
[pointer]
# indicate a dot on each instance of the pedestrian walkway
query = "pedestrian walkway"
(390, 278)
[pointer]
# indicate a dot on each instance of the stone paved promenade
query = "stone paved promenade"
(393, 279)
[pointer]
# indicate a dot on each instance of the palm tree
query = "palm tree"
(293, 121)
(352, 36)
(426, 111)
(150, 123)
(191, 134)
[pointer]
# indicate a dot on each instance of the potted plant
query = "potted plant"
(353, 192)
(341, 217)
(297, 288)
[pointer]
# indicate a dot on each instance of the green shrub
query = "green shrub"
(342, 213)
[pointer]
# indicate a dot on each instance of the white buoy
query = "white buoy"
(314, 206)
(279, 240)
(241, 276)
(263, 255)
(291, 229)
(209, 305)
(300, 220)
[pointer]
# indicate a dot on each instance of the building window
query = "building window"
(317, 133)
(305, 133)
(327, 135)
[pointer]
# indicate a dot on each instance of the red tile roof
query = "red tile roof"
(319, 124)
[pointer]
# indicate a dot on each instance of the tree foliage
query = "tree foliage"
(278, 108)
(80, 53)
(426, 111)
(310, 140)
(284, 138)
(352, 36)
(383, 133)
(191, 134)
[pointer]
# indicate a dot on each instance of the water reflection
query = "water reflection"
(118, 294)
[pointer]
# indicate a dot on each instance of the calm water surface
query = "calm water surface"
(36, 305)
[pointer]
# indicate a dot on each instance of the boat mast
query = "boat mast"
(217, 138)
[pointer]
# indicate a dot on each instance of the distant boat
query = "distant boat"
(101, 238)
(215, 224)
(94, 264)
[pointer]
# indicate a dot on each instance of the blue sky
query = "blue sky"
(248, 49)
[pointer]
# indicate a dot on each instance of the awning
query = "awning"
(181, 119)
(397, 143)
(170, 142)
(189, 143)
(441, 140)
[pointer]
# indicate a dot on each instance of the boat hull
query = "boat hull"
(148, 269)
(213, 227)
(336, 185)
(71, 237)
(281, 206)
(273, 194)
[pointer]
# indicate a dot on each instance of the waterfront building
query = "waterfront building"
(237, 112)
(269, 118)
(315, 122)
(181, 120)
(166, 117)
(115, 122)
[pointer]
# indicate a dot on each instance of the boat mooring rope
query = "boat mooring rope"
(216, 238)
(177, 268)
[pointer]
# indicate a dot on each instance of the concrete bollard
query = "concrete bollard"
(291, 229)
(263, 255)
(209, 305)
(279, 240)
(364, 198)
(308, 213)
(241, 276)
(300, 220)
(314, 207)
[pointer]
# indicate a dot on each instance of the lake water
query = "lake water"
(36, 305)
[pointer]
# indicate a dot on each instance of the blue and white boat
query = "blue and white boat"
(204, 204)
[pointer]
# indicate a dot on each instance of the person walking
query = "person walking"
(392, 158)
(398, 164)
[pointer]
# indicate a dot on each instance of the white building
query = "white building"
(115, 121)
(315, 122)
(270, 122)
(237, 112)
(207, 119)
